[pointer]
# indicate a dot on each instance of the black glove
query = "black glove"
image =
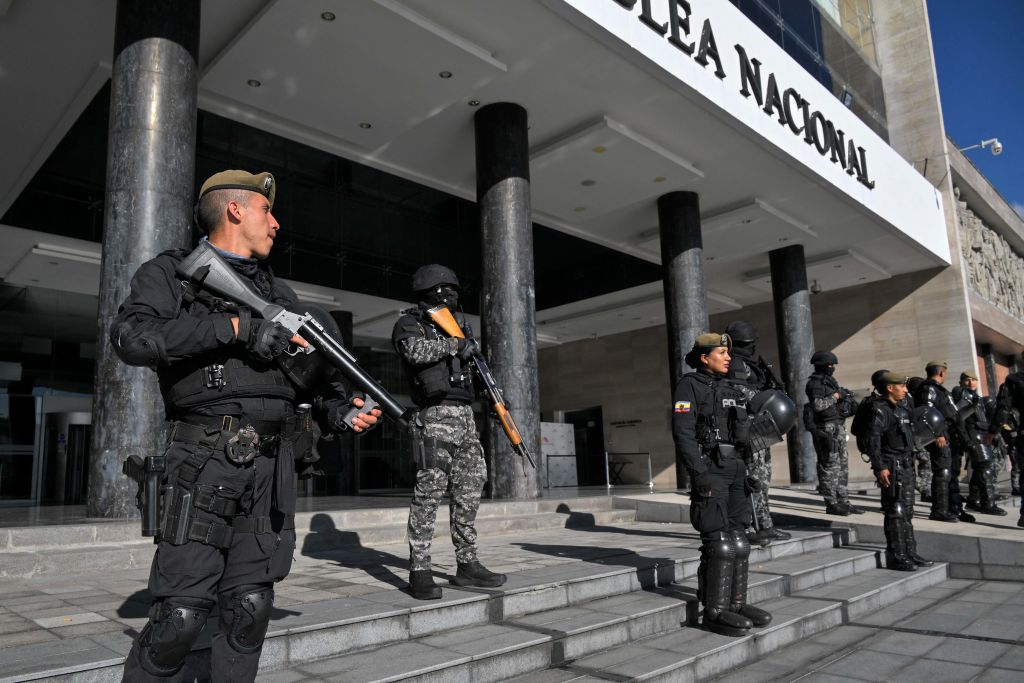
(336, 409)
(267, 339)
(467, 349)
(702, 484)
(752, 485)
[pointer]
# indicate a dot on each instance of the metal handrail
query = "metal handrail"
(607, 475)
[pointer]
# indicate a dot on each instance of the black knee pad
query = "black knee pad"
(741, 545)
(168, 637)
(245, 616)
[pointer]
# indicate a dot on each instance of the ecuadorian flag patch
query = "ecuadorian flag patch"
(681, 407)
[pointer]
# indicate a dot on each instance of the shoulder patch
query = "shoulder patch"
(681, 407)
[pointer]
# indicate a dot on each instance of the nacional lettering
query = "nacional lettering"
(788, 106)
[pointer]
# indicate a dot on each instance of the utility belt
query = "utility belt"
(429, 403)
(722, 452)
(180, 499)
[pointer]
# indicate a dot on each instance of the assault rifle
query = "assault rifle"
(771, 381)
(446, 321)
(205, 268)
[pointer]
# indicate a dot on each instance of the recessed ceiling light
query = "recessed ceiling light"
(580, 209)
(659, 179)
(474, 103)
(327, 16)
(711, 258)
(838, 265)
(783, 239)
(445, 74)
(253, 83)
(54, 263)
(600, 149)
(588, 183)
(364, 125)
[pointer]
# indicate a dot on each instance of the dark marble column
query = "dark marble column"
(796, 346)
(991, 379)
(686, 313)
(508, 301)
(148, 209)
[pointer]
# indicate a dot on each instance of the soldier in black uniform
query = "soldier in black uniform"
(947, 505)
(831, 405)
(1009, 409)
(888, 438)
(974, 444)
(753, 372)
(710, 427)
(453, 460)
(227, 532)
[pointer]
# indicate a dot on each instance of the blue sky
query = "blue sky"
(979, 52)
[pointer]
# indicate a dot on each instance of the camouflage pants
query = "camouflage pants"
(833, 463)
(458, 468)
(760, 467)
(924, 471)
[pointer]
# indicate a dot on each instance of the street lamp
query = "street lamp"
(997, 147)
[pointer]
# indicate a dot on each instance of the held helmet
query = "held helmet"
(308, 371)
(742, 332)
(927, 424)
(774, 415)
(824, 358)
(429, 276)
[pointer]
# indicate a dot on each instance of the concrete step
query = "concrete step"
(36, 551)
(690, 654)
(346, 625)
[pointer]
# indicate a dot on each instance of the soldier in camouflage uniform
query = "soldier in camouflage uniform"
(753, 372)
(831, 405)
(453, 459)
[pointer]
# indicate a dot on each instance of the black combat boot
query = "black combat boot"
(422, 586)
(1020, 522)
(836, 509)
(992, 509)
(965, 516)
(761, 538)
(475, 574)
(912, 552)
(852, 509)
(758, 617)
(778, 534)
(714, 587)
(896, 542)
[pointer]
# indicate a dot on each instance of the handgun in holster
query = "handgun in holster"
(147, 473)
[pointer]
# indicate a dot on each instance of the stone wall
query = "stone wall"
(994, 269)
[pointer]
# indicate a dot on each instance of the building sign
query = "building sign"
(792, 110)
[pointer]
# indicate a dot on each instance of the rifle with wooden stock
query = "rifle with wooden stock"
(444, 319)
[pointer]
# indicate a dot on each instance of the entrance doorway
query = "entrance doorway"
(588, 430)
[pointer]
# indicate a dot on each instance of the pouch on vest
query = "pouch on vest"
(433, 381)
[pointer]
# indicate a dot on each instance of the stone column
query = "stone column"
(148, 209)
(508, 303)
(796, 346)
(991, 379)
(686, 313)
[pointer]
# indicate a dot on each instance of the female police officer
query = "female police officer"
(710, 426)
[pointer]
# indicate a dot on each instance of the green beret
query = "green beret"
(968, 374)
(712, 340)
(262, 183)
(937, 364)
(890, 377)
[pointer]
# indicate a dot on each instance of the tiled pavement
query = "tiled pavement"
(957, 631)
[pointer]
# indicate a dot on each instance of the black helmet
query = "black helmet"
(824, 358)
(429, 276)
(774, 415)
(927, 423)
(742, 332)
(309, 371)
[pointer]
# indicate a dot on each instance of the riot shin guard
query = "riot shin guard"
(758, 617)
(714, 586)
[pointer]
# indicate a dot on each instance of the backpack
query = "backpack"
(808, 419)
(861, 419)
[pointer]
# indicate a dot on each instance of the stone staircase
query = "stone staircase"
(628, 617)
(35, 551)
(591, 595)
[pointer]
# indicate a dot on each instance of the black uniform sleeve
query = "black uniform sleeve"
(876, 427)
(685, 404)
(152, 329)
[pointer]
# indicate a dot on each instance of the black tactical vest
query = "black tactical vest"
(227, 373)
(898, 437)
(722, 419)
(448, 379)
(818, 386)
